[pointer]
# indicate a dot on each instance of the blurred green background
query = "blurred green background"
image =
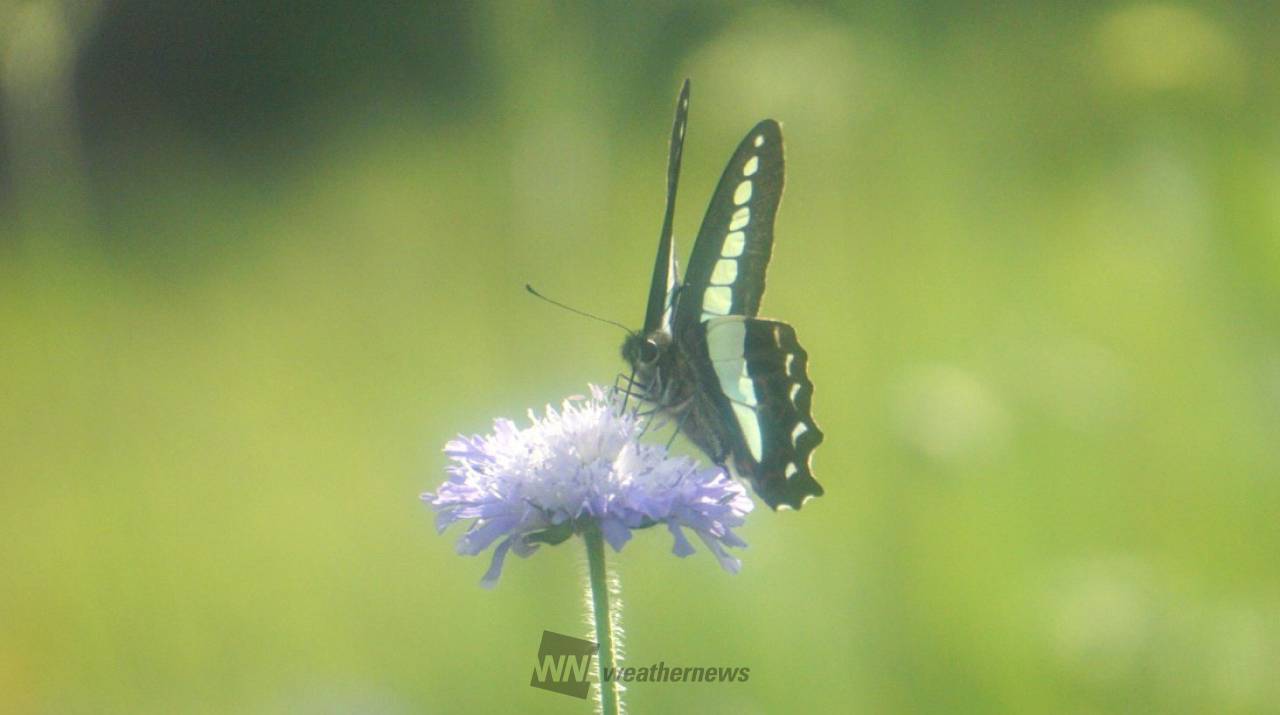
(259, 261)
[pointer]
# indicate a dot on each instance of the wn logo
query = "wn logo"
(563, 665)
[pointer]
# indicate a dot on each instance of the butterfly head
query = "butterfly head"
(642, 351)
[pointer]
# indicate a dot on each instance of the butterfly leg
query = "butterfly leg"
(632, 385)
(658, 414)
(626, 395)
(675, 432)
(660, 419)
(642, 393)
(684, 414)
(627, 386)
(647, 423)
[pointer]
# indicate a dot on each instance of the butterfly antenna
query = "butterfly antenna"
(575, 310)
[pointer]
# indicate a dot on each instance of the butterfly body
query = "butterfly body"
(672, 384)
(735, 384)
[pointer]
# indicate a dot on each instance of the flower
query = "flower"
(577, 465)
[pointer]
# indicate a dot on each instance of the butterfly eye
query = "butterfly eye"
(648, 352)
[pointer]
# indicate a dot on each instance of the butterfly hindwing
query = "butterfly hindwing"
(726, 271)
(764, 392)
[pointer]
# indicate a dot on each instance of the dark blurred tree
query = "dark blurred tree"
(236, 71)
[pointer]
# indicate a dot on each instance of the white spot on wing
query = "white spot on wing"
(750, 425)
(739, 218)
(742, 194)
(734, 243)
(726, 344)
(795, 390)
(759, 140)
(669, 313)
(725, 339)
(790, 470)
(750, 167)
(725, 272)
(800, 429)
(717, 300)
(739, 389)
(790, 359)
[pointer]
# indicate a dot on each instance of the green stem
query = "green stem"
(602, 618)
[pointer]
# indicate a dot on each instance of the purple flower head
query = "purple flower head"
(580, 464)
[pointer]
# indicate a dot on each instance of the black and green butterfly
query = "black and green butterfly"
(735, 384)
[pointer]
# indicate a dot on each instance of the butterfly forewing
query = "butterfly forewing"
(661, 306)
(726, 271)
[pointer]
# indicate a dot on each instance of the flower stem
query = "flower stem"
(603, 620)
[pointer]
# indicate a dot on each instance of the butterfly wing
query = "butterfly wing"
(752, 370)
(760, 370)
(726, 271)
(659, 312)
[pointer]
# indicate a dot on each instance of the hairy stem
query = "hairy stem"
(602, 619)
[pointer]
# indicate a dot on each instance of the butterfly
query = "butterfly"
(734, 384)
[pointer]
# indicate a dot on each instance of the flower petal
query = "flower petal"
(495, 565)
(523, 487)
(615, 532)
(682, 547)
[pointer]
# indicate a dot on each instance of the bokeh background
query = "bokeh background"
(259, 261)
